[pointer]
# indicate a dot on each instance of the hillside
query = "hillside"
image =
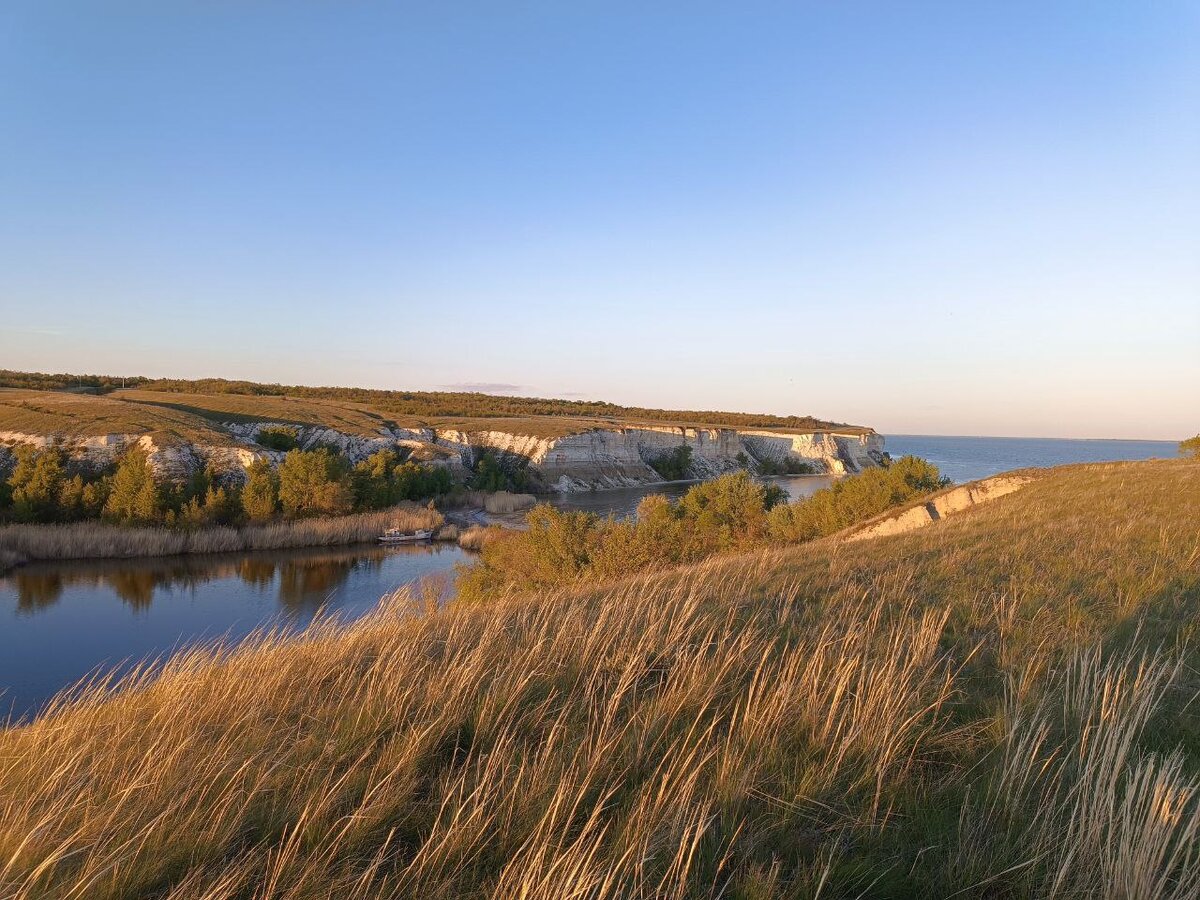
(560, 444)
(996, 705)
(442, 409)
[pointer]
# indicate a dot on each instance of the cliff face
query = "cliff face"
(594, 459)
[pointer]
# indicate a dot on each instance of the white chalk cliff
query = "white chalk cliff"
(592, 459)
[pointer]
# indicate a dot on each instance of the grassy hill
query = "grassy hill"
(359, 410)
(999, 705)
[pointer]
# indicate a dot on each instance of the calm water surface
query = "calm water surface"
(61, 622)
(969, 458)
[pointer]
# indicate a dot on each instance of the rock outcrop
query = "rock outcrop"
(591, 459)
(943, 505)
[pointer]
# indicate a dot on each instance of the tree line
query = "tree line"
(318, 482)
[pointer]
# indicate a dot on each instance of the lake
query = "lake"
(59, 622)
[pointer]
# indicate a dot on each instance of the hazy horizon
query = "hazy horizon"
(934, 220)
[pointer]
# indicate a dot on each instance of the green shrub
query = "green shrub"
(381, 480)
(727, 513)
(674, 465)
(789, 465)
(278, 437)
(260, 496)
(854, 499)
(1190, 447)
(492, 474)
(315, 482)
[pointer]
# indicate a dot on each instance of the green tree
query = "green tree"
(372, 478)
(1190, 447)
(36, 483)
(489, 473)
(260, 496)
(134, 497)
(674, 465)
(315, 482)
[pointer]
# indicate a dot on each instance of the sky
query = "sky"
(944, 218)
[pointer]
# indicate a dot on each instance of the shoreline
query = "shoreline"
(26, 543)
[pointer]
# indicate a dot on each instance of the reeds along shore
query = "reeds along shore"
(999, 705)
(97, 540)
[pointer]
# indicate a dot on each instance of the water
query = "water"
(969, 458)
(61, 621)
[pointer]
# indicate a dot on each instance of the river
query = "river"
(60, 622)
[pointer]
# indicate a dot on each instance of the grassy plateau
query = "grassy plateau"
(999, 705)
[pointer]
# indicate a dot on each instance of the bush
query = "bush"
(491, 474)
(789, 465)
(1190, 447)
(728, 513)
(674, 465)
(381, 480)
(260, 496)
(315, 482)
(278, 437)
(854, 500)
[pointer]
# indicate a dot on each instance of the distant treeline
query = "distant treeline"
(429, 404)
(41, 381)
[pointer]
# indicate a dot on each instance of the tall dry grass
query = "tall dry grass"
(996, 706)
(99, 540)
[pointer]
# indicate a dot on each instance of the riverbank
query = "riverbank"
(20, 544)
(1003, 700)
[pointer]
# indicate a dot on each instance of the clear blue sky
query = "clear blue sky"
(952, 217)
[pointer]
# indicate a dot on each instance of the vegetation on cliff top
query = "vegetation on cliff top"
(998, 706)
(436, 407)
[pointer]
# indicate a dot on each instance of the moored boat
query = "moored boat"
(397, 536)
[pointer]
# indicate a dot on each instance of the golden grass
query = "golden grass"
(994, 706)
(82, 415)
(479, 536)
(349, 418)
(99, 540)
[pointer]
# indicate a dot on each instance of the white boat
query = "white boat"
(396, 536)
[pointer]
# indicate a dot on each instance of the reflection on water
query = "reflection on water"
(302, 579)
(61, 621)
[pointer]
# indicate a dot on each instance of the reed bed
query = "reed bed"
(477, 537)
(998, 705)
(100, 540)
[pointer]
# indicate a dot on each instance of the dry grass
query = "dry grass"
(349, 418)
(479, 536)
(74, 416)
(998, 706)
(99, 540)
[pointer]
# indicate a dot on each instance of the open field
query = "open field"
(84, 415)
(360, 410)
(999, 705)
